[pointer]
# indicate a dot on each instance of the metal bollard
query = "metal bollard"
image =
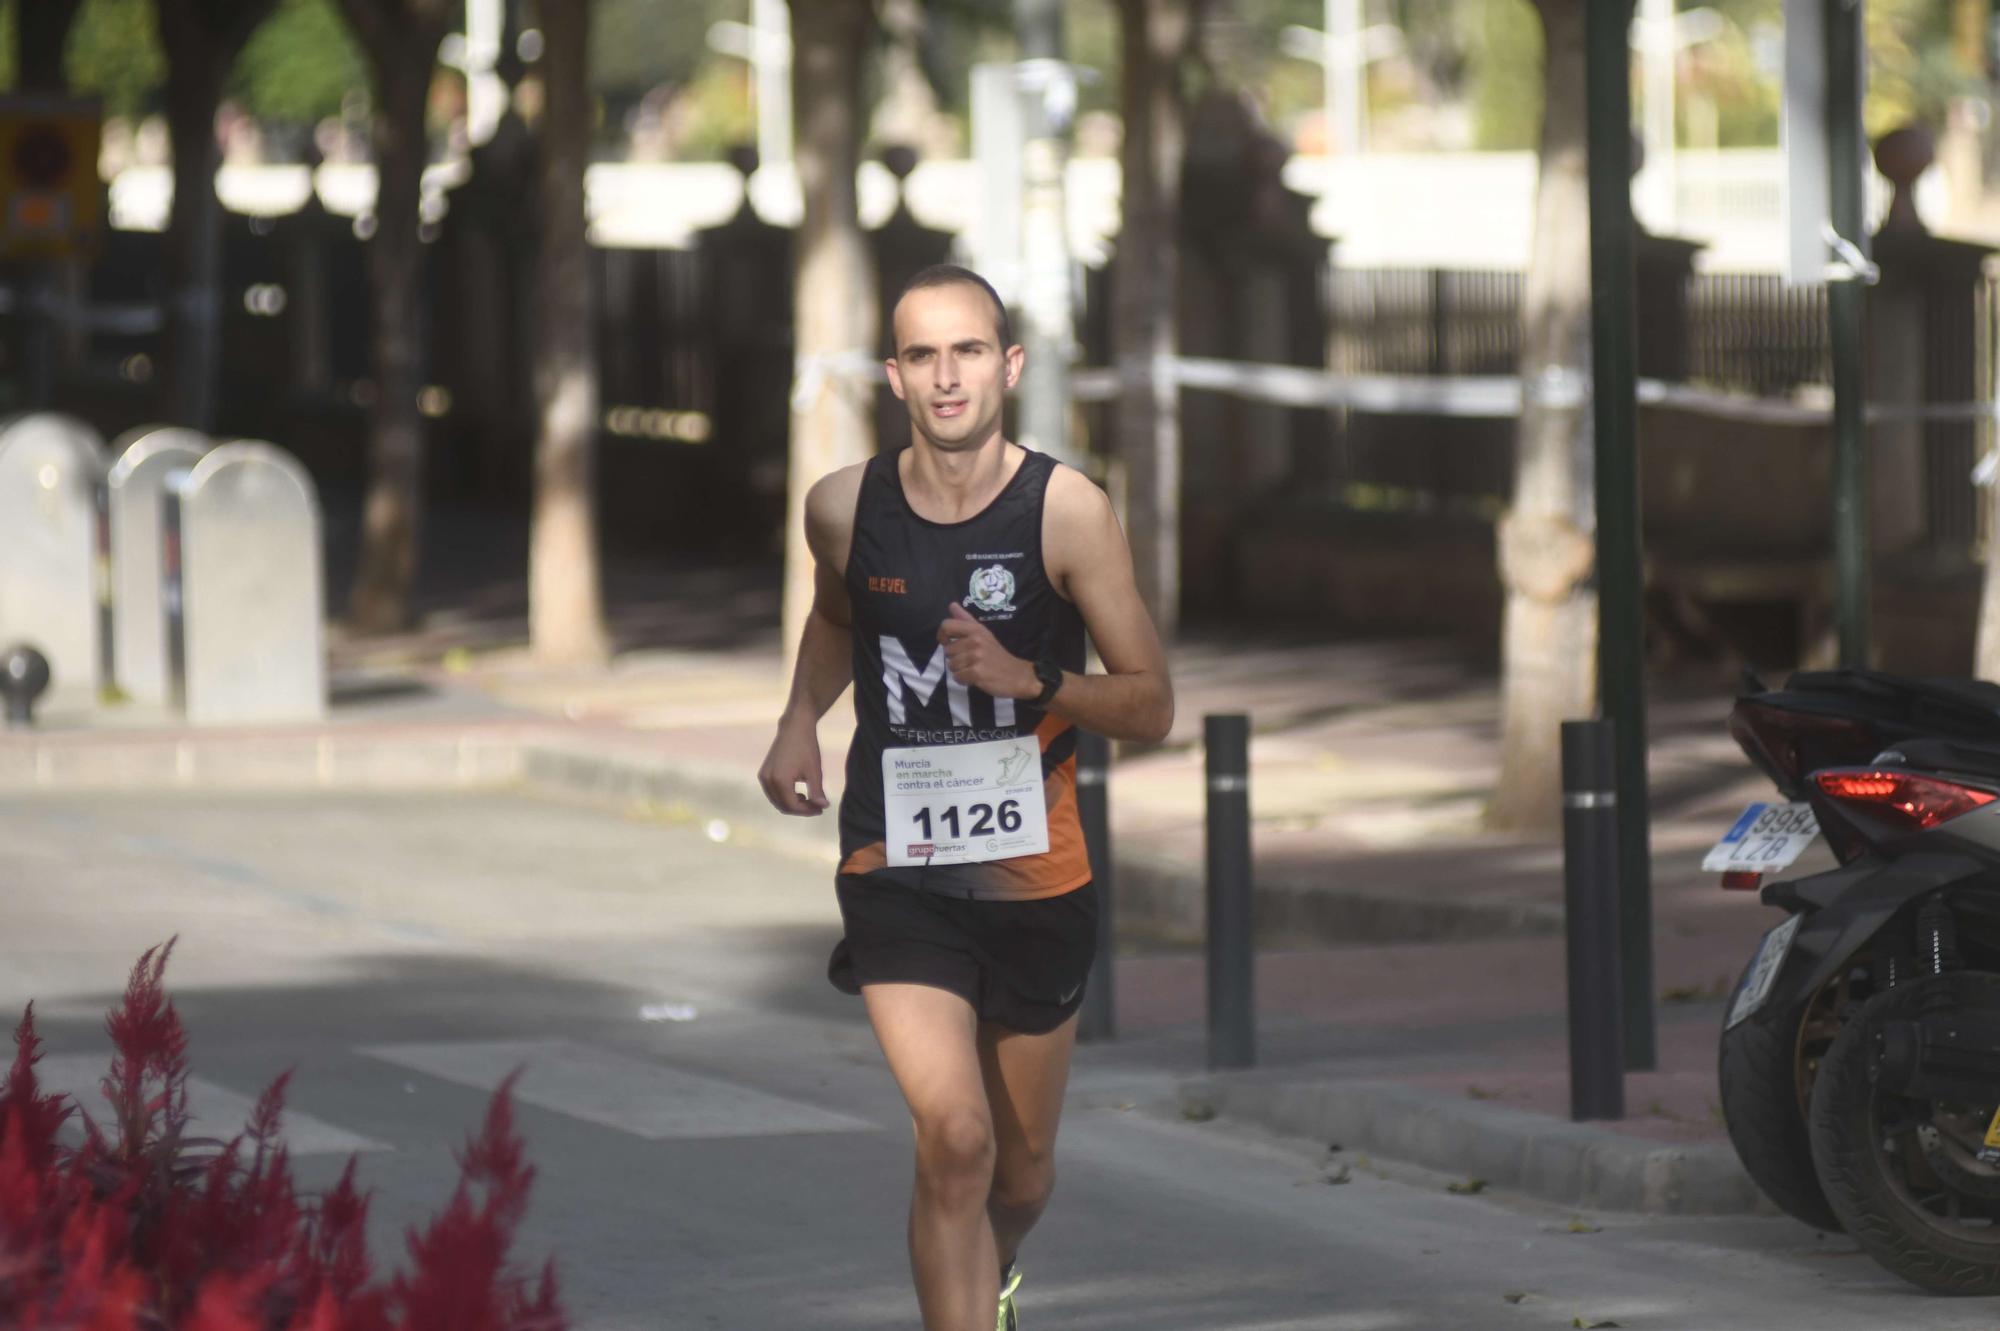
(1097, 1020)
(1232, 1010)
(1590, 913)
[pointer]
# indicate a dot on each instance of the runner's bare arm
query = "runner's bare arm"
(826, 658)
(1088, 562)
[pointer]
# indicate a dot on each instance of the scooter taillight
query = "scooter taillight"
(1921, 801)
(1787, 744)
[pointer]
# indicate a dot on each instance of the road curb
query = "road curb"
(1571, 1164)
(328, 759)
(1159, 897)
(1168, 898)
(603, 774)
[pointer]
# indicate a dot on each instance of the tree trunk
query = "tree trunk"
(836, 327)
(1986, 652)
(401, 42)
(1156, 34)
(193, 243)
(201, 39)
(1547, 538)
(565, 600)
(41, 32)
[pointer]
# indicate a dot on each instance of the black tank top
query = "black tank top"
(903, 572)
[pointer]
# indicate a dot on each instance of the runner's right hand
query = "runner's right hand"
(793, 760)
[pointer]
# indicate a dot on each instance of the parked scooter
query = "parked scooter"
(1860, 1052)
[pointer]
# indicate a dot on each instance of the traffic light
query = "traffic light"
(51, 204)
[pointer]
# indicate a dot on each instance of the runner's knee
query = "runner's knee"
(955, 1149)
(1023, 1180)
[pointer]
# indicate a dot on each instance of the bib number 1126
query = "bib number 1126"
(982, 819)
(963, 803)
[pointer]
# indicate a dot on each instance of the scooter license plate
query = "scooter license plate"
(1766, 839)
(1763, 971)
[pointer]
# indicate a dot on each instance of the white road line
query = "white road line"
(213, 1111)
(646, 1099)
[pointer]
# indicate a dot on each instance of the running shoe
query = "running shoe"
(1010, 1280)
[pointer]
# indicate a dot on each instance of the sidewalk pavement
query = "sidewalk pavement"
(1411, 981)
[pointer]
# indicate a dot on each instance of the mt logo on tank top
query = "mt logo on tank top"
(948, 788)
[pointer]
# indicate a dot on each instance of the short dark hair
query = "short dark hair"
(948, 275)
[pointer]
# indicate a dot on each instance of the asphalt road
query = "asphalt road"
(717, 1143)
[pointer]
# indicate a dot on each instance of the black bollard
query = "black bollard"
(24, 677)
(1590, 899)
(1097, 1020)
(1232, 1011)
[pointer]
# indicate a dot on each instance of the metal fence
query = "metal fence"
(663, 377)
(1747, 333)
(1750, 333)
(1424, 321)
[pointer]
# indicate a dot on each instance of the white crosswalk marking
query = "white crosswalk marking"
(646, 1099)
(213, 1111)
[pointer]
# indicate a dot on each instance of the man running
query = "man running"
(954, 581)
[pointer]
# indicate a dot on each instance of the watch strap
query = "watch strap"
(1051, 676)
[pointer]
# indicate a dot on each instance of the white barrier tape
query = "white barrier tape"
(129, 319)
(1494, 397)
(811, 374)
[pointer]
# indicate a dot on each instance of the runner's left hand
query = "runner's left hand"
(976, 658)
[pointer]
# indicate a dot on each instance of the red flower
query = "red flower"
(150, 1229)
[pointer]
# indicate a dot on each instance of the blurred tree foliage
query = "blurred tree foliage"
(1483, 54)
(1503, 56)
(1914, 71)
(1488, 52)
(299, 65)
(637, 45)
(114, 51)
(295, 69)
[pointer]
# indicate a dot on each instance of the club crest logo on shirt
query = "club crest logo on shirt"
(992, 589)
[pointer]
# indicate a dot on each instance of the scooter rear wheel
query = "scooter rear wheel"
(1764, 1070)
(1881, 1172)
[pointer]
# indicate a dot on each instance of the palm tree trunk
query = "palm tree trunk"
(565, 597)
(201, 39)
(401, 41)
(1156, 34)
(1546, 540)
(193, 241)
(834, 287)
(41, 31)
(392, 511)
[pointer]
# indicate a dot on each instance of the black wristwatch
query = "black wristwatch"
(1051, 676)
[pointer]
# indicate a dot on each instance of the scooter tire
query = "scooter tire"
(1857, 1177)
(1757, 1067)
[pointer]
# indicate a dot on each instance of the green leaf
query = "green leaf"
(1466, 1187)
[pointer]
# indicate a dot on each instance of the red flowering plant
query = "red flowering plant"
(142, 1227)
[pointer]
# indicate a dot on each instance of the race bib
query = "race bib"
(964, 803)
